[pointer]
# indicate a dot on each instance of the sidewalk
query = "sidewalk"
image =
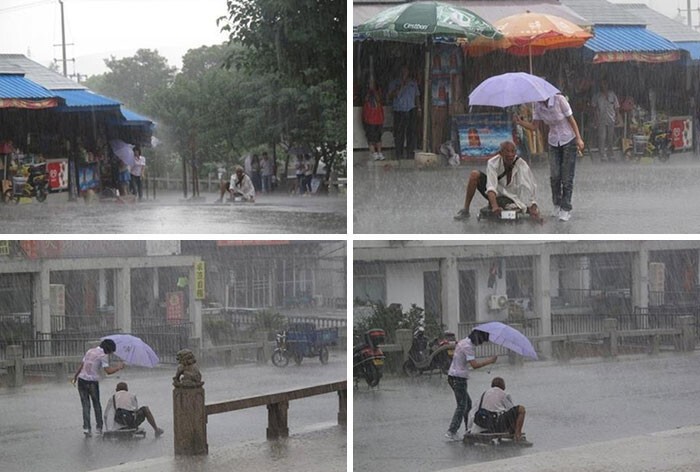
(674, 450)
(323, 450)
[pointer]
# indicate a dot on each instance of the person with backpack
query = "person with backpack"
(127, 413)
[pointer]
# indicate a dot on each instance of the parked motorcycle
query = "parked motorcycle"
(655, 142)
(424, 356)
(281, 355)
(368, 358)
(32, 183)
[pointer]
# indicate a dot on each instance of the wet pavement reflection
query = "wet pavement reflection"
(41, 426)
(170, 213)
(401, 425)
(608, 198)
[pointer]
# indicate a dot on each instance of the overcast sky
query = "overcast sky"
(668, 7)
(99, 29)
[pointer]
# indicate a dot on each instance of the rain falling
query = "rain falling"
(184, 328)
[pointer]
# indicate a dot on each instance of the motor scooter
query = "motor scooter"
(368, 358)
(32, 183)
(424, 356)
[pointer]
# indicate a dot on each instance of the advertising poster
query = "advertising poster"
(681, 132)
(58, 174)
(88, 177)
(481, 134)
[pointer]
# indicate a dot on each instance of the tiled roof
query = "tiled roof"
(18, 63)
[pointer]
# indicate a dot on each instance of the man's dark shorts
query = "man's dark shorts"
(481, 187)
(137, 417)
(505, 423)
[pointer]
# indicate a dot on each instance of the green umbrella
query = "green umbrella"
(426, 22)
(416, 22)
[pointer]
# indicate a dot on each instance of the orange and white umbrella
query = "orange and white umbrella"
(535, 33)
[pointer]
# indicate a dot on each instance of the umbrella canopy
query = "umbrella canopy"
(133, 350)
(508, 337)
(124, 151)
(415, 22)
(513, 88)
(427, 23)
(535, 33)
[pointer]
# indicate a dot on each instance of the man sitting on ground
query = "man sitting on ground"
(510, 417)
(241, 185)
(508, 183)
(127, 412)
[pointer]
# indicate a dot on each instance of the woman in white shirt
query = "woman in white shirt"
(564, 144)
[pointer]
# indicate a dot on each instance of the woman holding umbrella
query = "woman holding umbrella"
(464, 357)
(87, 377)
(564, 143)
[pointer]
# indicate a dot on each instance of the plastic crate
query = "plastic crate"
(18, 185)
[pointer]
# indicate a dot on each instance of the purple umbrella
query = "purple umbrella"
(508, 337)
(512, 88)
(133, 350)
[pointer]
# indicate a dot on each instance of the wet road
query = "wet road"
(608, 198)
(400, 426)
(171, 214)
(41, 427)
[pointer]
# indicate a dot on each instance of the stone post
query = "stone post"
(189, 409)
(513, 358)
(343, 407)
(404, 337)
(277, 425)
(265, 349)
(16, 371)
(610, 327)
(686, 341)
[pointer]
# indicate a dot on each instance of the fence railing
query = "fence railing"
(190, 413)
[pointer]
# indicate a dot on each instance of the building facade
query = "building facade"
(463, 283)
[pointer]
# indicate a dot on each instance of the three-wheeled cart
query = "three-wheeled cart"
(304, 340)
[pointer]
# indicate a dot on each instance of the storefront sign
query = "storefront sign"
(481, 134)
(175, 306)
(42, 249)
(200, 292)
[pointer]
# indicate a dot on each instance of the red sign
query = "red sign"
(175, 306)
(58, 174)
(41, 249)
(681, 132)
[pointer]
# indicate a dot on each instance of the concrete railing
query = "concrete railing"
(190, 413)
(561, 346)
(15, 365)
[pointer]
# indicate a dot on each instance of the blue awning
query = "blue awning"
(693, 47)
(134, 119)
(16, 86)
(630, 43)
(80, 100)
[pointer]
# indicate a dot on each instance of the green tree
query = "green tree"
(134, 80)
(390, 318)
(299, 45)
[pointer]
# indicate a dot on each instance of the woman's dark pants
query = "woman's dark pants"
(88, 391)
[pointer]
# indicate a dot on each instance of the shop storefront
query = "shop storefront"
(63, 129)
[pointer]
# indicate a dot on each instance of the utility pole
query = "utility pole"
(63, 39)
